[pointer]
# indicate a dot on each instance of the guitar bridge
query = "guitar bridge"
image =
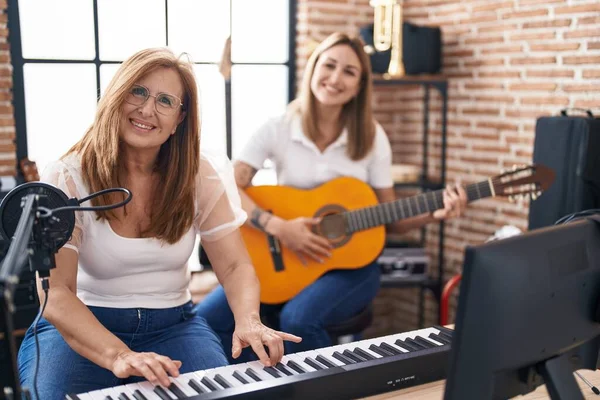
(275, 250)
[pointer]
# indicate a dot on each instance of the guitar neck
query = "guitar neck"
(386, 213)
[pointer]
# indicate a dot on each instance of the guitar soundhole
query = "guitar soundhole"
(333, 225)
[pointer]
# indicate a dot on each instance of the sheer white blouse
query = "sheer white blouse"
(120, 272)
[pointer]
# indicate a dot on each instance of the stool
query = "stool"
(343, 332)
(346, 331)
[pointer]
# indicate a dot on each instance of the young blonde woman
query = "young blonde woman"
(118, 309)
(328, 132)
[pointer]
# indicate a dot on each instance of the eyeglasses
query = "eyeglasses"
(165, 104)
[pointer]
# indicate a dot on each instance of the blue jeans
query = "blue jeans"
(332, 299)
(175, 332)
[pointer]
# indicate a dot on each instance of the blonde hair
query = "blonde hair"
(178, 158)
(357, 114)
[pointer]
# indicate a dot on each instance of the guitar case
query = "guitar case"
(570, 145)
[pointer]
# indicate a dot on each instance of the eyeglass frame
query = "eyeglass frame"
(155, 97)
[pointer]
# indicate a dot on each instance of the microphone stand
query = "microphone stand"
(32, 241)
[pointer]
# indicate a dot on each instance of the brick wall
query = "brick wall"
(508, 62)
(7, 122)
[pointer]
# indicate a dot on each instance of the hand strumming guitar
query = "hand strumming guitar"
(297, 235)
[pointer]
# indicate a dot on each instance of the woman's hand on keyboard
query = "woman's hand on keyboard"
(154, 367)
(252, 332)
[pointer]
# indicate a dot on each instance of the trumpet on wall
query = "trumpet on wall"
(387, 33)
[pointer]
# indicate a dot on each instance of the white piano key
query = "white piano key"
(84, 396)
(257, 367)
(97, 395)
(227, 374)
(298, 359)
(284, 361)
(182, 384)
(110, 392)
(136, 386)
(148, 390)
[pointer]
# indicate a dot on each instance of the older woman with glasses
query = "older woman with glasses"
(118, 308)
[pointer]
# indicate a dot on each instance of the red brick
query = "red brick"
(550, 73)
(524, 86)
(532, 60)
(526, 14)
(553, 23)
(583, 87)
(492, 6)
(554, 46)
(591, 73)
(513, 48)
(533, 36)
(582, 8)
(546, 100)
(583, 33)
(576, 60)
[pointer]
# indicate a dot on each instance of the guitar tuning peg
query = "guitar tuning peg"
(538, 193)
(534, 195)
(511, 198)
(514, 167)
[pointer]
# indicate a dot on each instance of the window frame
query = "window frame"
(18, 63)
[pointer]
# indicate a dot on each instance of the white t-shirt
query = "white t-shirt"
(120, 272)
(299, 163)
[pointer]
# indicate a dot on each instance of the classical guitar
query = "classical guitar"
(353, 221)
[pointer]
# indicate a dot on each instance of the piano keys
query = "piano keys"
(351, 370)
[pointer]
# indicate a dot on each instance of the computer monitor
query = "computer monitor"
(527, 314)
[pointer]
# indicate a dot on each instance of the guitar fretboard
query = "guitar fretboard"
(386, 213)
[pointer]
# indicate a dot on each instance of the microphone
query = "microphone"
(53, 215)
(11, 209)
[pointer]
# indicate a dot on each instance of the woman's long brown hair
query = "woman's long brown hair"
(357, 114)
(178, 158)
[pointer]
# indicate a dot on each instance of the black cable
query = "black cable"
(46, 212)
(577, 215)
(45, 286)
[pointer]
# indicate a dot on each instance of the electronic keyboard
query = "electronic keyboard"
(344, 371)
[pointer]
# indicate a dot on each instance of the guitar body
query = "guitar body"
(351, 251)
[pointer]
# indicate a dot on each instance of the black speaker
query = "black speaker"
(421, 49)
(570, 145)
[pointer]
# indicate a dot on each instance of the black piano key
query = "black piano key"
(389, 348)
(337, 355)
(209, 383)
(272, 371)
(177, 392)
(284, 369)
(196, 386)
(137, 395)
(108, 398)
(252, 374)
(123, 396)
(444, 331)
(162, 393)
(72, 397)
(406, 345)
(364, 354)
(419, 346)
(380, 351)
(293, 365)
(238, 375)
(222, 381)
(424, 342)
(325, 361)
(353, 356)
(313, 363)
(440, 338)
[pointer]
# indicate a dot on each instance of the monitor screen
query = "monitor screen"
(527, 313)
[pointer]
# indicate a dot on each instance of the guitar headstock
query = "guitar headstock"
(225, 63)
(29, 170)
(525, 180)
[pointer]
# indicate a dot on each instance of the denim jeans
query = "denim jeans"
(333, 298)
(175, 332)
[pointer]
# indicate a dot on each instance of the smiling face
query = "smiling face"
(142, 127)
(337, 76)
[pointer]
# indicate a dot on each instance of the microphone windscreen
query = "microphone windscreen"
(11, 210)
